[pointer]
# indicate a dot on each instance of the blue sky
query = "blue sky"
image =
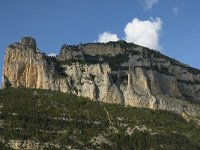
(56, 22)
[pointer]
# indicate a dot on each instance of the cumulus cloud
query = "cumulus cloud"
(107, 37)
(145, 33)
(175, 10)
(52, 54)
(149, 3)
(142, 32)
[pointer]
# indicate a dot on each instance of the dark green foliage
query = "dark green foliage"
(4, 147)
(174, 62)
(188, 82)
(55, 64)
(49, 116)
(116, 62)
(70, 62)
(157, 54)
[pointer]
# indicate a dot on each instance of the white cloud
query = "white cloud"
(145, 33)
(142, 32)
(175, 10)
(107, 37)
(52, 54)
(149, 3)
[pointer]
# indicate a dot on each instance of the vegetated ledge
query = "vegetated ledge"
(130, 48)
(115, 61)
(55, 119)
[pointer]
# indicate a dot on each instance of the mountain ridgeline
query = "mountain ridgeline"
(114, 72)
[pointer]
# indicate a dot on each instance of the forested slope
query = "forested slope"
(40, 119)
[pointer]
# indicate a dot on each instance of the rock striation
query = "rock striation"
(114, 72)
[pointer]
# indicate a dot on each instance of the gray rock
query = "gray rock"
(153, 80)
(28, 41)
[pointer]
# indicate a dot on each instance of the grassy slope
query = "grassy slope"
(48, 116)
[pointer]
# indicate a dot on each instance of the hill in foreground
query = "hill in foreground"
(41, 119)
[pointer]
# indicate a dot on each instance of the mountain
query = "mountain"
(114, 72)
(43, 119)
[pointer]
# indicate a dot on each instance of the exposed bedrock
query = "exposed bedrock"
(114, 72)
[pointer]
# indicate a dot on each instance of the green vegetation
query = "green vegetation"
(114, 62)
(56, 65)
(117, 61)
(174, 62)
(157, 54)
(48, 116)
(4, 147)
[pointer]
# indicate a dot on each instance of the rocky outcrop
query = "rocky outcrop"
(30, 145)
(115, 72)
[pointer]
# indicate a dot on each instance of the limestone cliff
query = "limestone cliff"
(114, 72)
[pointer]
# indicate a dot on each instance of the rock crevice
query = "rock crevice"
(115, 72)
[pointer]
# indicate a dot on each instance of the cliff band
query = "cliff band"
(114, 72)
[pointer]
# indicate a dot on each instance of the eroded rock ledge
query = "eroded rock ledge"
(114, 72)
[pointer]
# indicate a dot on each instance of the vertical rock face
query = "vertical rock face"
(25, 66)
(115, 72)
(20, 68)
